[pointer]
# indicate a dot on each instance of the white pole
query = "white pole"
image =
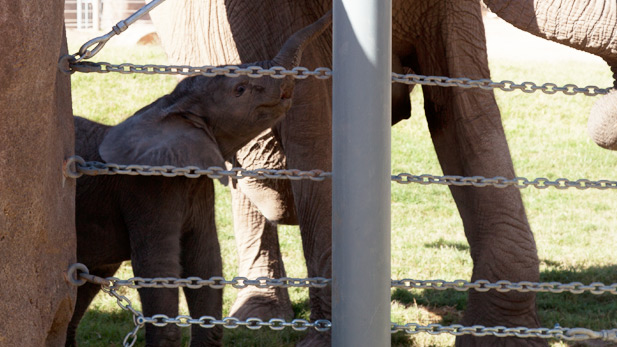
(96, 15)
(362, 46)
(79, 14)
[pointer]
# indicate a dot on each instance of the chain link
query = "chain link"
(276, 72)
(219, 282)
(508, 86)
(110, 285)
(99, 42)
(324, 73)
(131, 337)
(504, 286)
(502, 182)
(568, 334)
(161, 320)
(75, 167)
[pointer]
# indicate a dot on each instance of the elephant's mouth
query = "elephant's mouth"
(283, 105)
(273, 112)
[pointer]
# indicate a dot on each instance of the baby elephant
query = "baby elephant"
(166, 225)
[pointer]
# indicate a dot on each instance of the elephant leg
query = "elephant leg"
(155, 252)
(469, 139)
(259, 256)
(85, 295)
(158, 301)
(306, 136)
(257, 206)
(201, 257)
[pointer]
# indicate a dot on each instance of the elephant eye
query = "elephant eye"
(240, 88)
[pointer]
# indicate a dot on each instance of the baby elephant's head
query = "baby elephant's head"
(234, 109)
(205, 120)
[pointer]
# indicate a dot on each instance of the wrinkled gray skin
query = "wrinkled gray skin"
(434, 37)
(166, 225)
(587, 25)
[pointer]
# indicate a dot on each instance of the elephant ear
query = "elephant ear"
(158, 136)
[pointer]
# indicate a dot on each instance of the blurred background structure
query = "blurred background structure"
(100, 14)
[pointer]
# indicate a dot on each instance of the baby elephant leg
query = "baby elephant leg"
(156, 253)
(201, 257)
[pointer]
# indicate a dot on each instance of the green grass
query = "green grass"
(574, 230)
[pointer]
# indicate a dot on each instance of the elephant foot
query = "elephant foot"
(500, 309)
(316, 339)
(263, 305)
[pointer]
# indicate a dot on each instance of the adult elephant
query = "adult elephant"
(436, 37)
(583, 24)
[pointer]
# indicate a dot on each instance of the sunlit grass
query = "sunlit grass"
(574, 230)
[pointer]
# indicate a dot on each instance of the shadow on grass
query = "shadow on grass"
(595, 312)
(442, 243)
(103, 329)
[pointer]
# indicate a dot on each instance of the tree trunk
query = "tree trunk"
(37, 222)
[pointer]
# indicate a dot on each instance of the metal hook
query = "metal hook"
(74, 272)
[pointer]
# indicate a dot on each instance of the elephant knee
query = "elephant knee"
(273, 199)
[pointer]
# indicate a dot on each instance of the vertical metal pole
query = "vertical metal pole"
(361, 166)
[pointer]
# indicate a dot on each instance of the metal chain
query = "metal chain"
(120, 27)
(502, 182)
(568, 334)
(508, 86)
(504, 286)
(277, 72)
(220, 282)
(161, 320)
(324, 73)
(79, 273)
(75, 167)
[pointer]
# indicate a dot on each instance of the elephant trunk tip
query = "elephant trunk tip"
(602, 124)
(291, 52)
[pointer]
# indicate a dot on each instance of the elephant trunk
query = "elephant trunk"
(602, 123)
(289, 56)
(586, 25)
